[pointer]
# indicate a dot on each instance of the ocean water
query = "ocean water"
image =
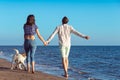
(85, 62)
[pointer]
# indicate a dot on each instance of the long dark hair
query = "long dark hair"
(29, 20)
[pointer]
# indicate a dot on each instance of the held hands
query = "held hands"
(45, 43)
(87, 37)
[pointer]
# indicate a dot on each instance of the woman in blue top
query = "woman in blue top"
(30, 29)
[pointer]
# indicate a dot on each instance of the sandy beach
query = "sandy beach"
(7, 74)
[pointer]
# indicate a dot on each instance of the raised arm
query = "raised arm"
(78, 33)
(52, 35)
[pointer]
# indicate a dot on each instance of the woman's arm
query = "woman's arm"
(40, 37)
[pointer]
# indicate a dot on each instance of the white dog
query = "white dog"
(18, 60)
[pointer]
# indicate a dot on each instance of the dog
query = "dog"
(18, 60)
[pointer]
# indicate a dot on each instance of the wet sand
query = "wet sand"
(7, 74)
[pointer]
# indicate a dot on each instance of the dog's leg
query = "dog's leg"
(12, 63)
(20, 66)
(23, 64)
(12, 66)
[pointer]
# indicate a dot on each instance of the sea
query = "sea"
(85, 62)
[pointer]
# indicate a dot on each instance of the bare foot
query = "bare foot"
(66, 75)
(28, 71)
(33, 72)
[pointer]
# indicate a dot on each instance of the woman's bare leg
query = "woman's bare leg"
(28, 67)
(33, 67)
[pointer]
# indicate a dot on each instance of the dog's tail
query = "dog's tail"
(16, 51)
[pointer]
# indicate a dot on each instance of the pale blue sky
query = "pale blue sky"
(100, 19)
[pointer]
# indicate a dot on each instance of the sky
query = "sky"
(99, 19)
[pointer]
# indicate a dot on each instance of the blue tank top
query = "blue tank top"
(30, 30)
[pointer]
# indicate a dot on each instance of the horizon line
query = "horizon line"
(58, 45)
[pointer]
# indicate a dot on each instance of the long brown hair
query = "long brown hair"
(30, 20)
